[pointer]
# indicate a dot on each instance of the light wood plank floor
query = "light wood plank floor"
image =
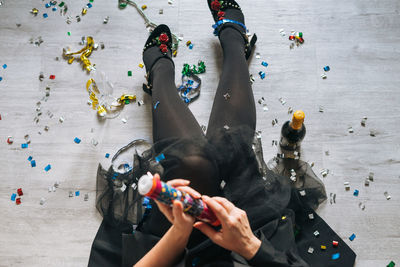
(358, 39)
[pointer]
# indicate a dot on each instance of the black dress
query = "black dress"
(281, 213)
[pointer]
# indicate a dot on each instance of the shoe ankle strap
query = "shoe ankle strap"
(217, 25)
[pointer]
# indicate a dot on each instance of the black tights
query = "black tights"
(172, 117)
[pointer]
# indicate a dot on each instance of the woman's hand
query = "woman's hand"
(236, 234)
(181, 221)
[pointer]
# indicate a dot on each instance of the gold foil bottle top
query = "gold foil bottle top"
(297, 120)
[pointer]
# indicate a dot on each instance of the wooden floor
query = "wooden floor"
(358, 39)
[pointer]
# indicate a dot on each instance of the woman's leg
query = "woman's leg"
(171, 118)
(234, 100)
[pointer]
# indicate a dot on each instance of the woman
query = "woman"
(264, 221)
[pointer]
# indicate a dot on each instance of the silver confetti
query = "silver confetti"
(124, 120)
(140, 103)
(161, 11)
(290, 110)
(372, 133)
(42, 201)
(274, 121)
(227, 96)
(363, 121)
(70, 194)
(310, 250)
(361, 206)
(86, 197)
(324, 172)
(321, 109)
(387, 195)
(27, 139)
(316, 233)
(366, 182)
(283, 102)
(323, 76)
(226, 127)
(311, 216)
(347, 186)
(222, 185)
(371, 176)
(106, 19)
(203, 128)
(94, 142)
(350, 130)
(258, 55)
(61, 119)
(302, 193)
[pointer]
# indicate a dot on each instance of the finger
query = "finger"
(229, 206)
(208, 231)
(178, 182)
(217, 208)
(190, 191)
(177, 210)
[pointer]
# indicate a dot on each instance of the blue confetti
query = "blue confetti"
(352, 237)
(13, 196)
(77, 193)
(77, 140)
(5, 66)
(24, 145)
(30, 158)
(47, 5)
(47, 168)
(356, 193)
(45, 15)
(265, 64)
(146, 201)
(160, 157)
(54, 9)
(156, 104)
(191, 46)
(1, 78)
(33, 163)
(335, 256)
(327, 68)
(107, 155)
(262, 75)
(89, 5)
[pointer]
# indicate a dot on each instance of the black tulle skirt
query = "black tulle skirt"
(245, 180)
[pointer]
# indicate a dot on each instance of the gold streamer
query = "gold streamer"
(102, 109)
(85, 53)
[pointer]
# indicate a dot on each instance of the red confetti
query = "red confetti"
(19, 191)
(18, 201)
(52, 77)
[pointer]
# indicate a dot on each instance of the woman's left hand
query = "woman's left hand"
(183, 222)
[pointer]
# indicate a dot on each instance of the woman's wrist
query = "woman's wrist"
(181, 235)
(251, 248)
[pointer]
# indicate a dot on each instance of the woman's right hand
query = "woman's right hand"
(235, 234)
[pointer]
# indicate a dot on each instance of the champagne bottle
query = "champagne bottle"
(293, 132)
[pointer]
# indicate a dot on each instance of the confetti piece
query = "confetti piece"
(18, 201)
(19, 192)
(262, 75)
(335, 243)
(160, 157)
(129, 73)
(391, 264)
(30, 158)
(265, 64)
(190, 46)
(316, 234)
(89, 5)
(327, 68)
(5, 66)
(86, 197)
(141, 65)
(310, 250)
(42, 201)
(156, 104)
(77, 140)
(24, 145)
(70, 194)
(356, 192)
(107, 155)
(352, 237)
(45, 15)
(13, 197)
(144, 7)
(47, 168)
(33, 163)
(387, 195)
(323, 76)
(77, 193)
(335, 256)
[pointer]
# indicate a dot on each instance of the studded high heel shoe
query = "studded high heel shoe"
(157, 46)
(220, 11)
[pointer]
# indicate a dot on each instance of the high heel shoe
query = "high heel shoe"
(157, 46)
(222, 18)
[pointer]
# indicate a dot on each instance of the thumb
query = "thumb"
(208, 231)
